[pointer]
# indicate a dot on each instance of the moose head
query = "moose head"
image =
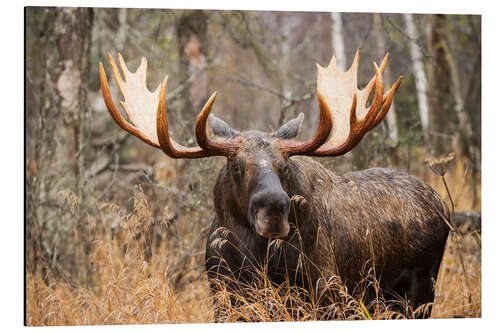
(257, 161)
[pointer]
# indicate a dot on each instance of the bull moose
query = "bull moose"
(339, 222)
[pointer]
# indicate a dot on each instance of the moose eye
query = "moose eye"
(237, 167)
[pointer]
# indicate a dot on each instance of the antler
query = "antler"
(291, 148)
(351, 119)
(148, 113)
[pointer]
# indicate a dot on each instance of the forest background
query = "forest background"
(81, 170)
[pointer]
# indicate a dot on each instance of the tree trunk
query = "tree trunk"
(121, 34)
(191, 30)
(378, 29)
(288, 23)
(440, 94)
(419, 72)
(462, 135)
(56, 146)
(338, 41)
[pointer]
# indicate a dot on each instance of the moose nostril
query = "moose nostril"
(276, 202)
(284, 202)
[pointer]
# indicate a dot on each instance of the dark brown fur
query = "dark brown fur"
(378, 218)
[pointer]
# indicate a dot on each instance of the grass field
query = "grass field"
(131, 284)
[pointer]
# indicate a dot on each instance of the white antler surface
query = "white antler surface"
(347, 104)
(140, 104)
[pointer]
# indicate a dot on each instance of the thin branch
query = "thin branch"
(455, 237)
(187, 83)
(286, 99)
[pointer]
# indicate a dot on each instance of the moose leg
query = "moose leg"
(223, 300)
(421, 291)
(416, 285)
(222, 284)
(229, 296)
(423, 279)
(227, 283)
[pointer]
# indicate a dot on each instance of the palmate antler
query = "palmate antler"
(147, 112)
(351, 119)
(338, 97)
(148, 115)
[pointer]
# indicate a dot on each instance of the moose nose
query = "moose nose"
(276, 202)
(269, 213)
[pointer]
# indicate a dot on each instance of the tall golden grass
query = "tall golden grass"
(135, 282)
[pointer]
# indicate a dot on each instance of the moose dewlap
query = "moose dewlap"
(381, 219)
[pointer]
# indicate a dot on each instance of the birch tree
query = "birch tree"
(338, 40)
(419, 72)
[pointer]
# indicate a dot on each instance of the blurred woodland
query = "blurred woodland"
(112, 223)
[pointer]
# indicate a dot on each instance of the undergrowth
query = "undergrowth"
(134, 282)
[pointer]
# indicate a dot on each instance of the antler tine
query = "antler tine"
(167, 144)
(348, 131)
(355, 63)
(387, 101)
(377, 99)
(116, 73)
(217, 148)
(371, 84)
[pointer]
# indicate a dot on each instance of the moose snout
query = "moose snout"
(269, 213)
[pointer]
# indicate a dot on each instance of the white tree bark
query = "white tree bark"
(338, 41)
(392, 123)
(418, 69)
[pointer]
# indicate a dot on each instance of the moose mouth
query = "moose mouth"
(271, 226)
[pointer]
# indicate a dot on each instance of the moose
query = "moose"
(275, 207)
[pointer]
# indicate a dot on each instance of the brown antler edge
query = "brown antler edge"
(147, 112)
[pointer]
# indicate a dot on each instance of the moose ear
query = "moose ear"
(221, 128)
(290, 129)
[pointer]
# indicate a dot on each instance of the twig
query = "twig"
(185, 84)
(288, 98)
(133, 167)
(54, 263)
(252, 84)
(405, 35)
(117, 162)
(449, 196)
(455, 240)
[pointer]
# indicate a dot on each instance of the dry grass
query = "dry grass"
(458, 294)
(127, 288)
(134, 283)
(466, 195)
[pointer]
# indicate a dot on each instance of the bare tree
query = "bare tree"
(121, 35)
(192, 44)
(60, 133)
(464, 130)
(379, 36)
(440, 91)
(338, 41)
(419, 71)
